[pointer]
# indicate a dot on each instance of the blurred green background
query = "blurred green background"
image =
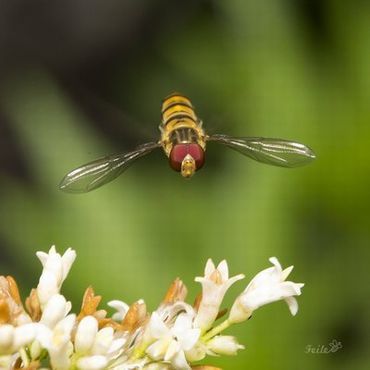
(80, 79)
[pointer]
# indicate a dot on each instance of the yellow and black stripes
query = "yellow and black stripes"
(178, 117)
(177, 109)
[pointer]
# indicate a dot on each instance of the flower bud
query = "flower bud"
(224, 345)
(85, 334)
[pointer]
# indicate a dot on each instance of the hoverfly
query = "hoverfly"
(183, 140)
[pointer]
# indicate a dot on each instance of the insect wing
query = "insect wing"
(277, 152)
(101, 171)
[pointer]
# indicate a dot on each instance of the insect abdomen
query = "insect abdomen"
(177, 112)
(179, 123)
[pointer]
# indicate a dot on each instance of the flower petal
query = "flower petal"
(103, 341)
(120, 307)
(6, 337)
(85, 334)
(92, 363)
(224, 345)
(276, 263)
(289, 288)
(157, 327)
(224, 270)
(67, 261)
(182, 323)
(24, 334)
(55, 310)
(292, 304)
(286, 273)
(172, 350)
(179, 362)
(187, 342)
(158, 349)
(210, 267)
(43, 257)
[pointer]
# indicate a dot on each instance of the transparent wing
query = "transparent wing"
(94, 174)
(276, 152)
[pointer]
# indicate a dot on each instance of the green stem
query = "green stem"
(216, 330)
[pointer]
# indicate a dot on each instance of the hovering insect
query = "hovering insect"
(183, 140)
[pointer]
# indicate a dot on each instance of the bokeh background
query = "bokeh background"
(81, 79)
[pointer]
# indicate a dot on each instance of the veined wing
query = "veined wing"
(277, 152)
(94, 174)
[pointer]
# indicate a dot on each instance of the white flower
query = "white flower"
(266, 287)
(56, 309)
(58, 342)
(215, 283)
(53, 329)
(224, 345)
(55, 270)
(96, 348)
(172, 343)
(120, 307)
(176, 335)
(13, 338)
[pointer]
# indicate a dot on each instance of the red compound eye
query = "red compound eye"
(180, 151)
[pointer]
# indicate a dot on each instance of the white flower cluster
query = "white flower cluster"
(44, 334)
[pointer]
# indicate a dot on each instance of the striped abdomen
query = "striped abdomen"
(183, 138)
(177, 111)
